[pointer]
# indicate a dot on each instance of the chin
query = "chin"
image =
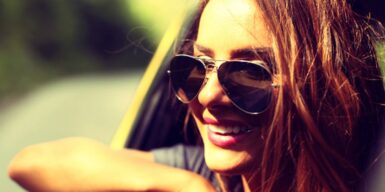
(227, 161)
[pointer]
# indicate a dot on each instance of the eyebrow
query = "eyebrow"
(248, 53)
(205, 50)
(262, 53)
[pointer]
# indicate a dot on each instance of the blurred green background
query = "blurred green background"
(71, 67)
(41, 40)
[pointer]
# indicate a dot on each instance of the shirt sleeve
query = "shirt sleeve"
(185, 157)
(192, 158)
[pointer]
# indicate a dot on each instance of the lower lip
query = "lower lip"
(224, 141)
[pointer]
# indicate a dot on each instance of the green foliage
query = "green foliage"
(44, 39)
(154, 23)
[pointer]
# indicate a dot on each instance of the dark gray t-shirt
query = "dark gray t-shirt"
(192, 158)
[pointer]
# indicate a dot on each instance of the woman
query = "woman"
(286, 96)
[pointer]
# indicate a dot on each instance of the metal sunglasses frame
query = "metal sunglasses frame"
(210, 67)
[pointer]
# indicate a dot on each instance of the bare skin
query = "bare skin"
(228, 27)
(79, 164)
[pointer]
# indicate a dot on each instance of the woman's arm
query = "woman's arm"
(79, 164)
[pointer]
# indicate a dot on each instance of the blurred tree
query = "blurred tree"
(45, 39)
(154, 23)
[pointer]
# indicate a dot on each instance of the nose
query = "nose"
(212, 95)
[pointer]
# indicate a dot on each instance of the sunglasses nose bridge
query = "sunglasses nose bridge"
(211, 68)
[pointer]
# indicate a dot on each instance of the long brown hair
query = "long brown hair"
(328, 110)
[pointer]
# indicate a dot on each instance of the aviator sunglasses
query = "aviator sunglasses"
(247, 84)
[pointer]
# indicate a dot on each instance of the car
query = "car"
(156, 118)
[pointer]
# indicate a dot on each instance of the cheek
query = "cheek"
(196, 109)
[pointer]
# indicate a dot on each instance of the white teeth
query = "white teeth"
(228, 130)
(218, 129)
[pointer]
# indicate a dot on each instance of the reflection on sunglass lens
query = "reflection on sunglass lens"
(248, 85)
(187, 76)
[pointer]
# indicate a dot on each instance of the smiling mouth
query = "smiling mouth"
(226, 136)
(228, 130)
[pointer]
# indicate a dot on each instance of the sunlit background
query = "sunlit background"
(71, 67)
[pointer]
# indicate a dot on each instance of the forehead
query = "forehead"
(227, 25)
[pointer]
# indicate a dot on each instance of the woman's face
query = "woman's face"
(228, 30)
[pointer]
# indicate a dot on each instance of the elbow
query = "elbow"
(14, 170)
(20, 165)
(24, 168)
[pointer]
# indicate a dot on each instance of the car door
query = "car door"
(156, 118)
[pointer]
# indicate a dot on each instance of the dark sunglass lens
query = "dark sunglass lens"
(248, 85)
(187, 76)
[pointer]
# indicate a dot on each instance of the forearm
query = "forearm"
(134, 174)
(78, 165)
